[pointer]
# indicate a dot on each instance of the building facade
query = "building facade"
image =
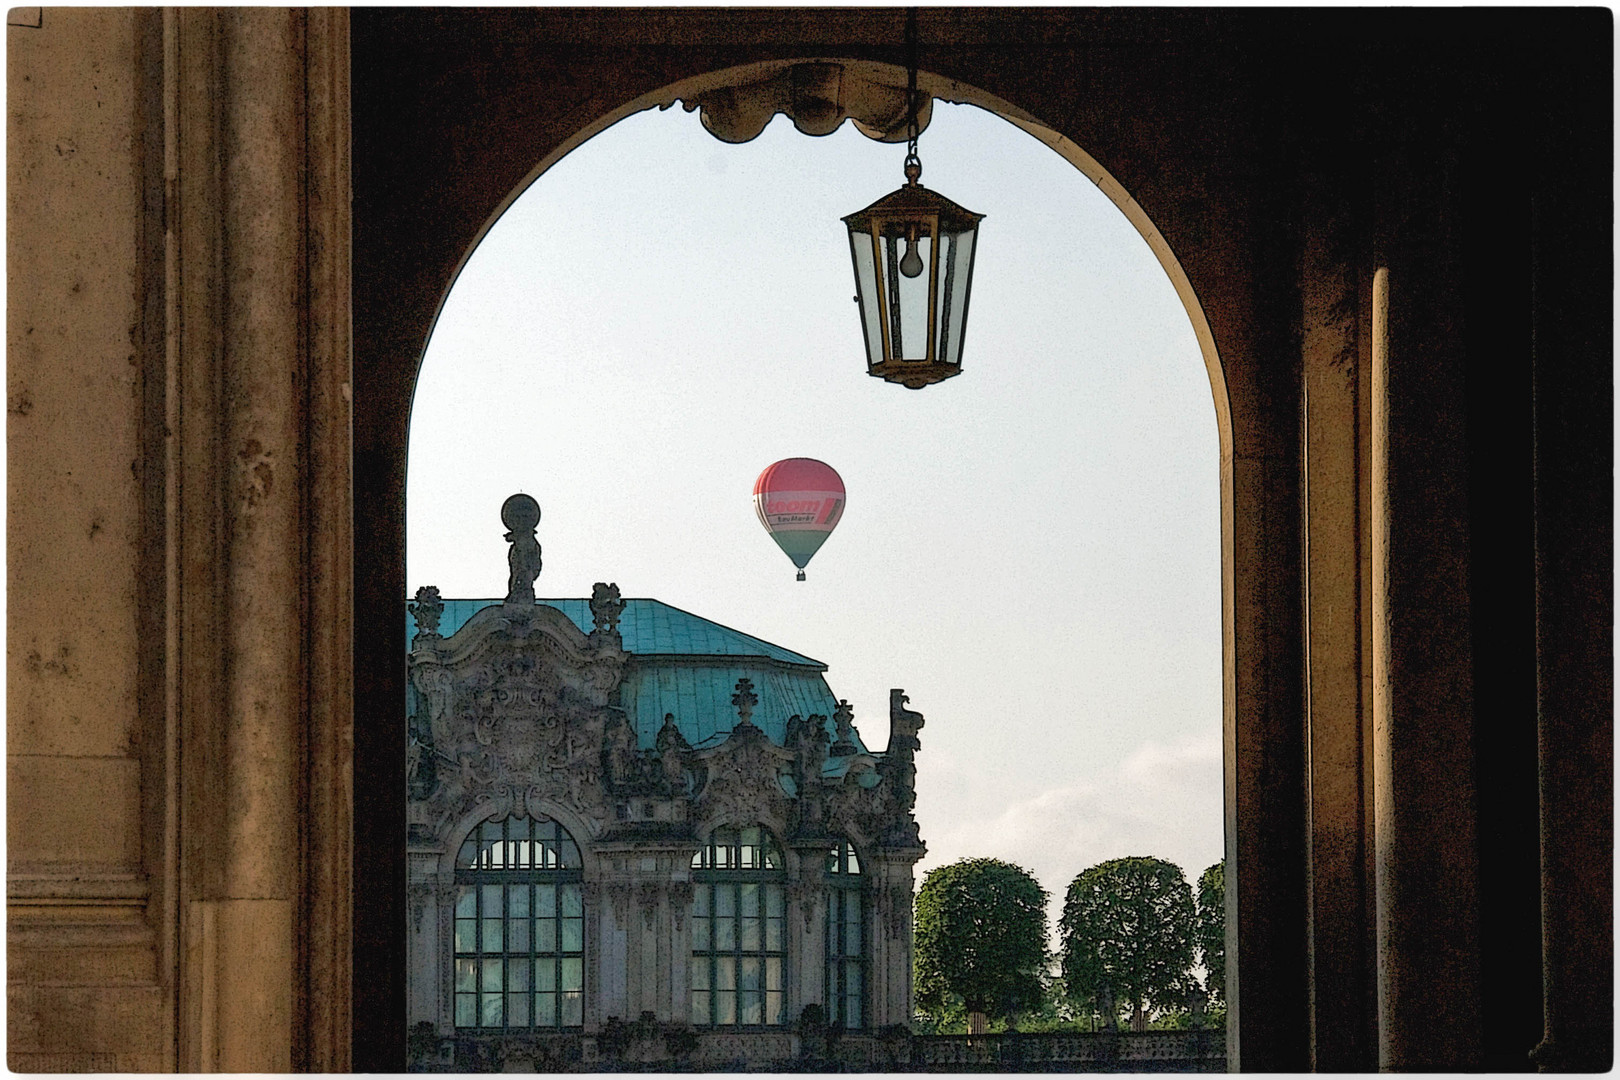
(626, 818)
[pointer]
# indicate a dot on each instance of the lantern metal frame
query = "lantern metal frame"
(911, 215)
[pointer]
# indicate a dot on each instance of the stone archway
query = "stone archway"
(406, 316)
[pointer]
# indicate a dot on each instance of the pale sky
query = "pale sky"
(1030, 549)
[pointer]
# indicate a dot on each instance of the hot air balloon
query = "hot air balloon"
(799, 501)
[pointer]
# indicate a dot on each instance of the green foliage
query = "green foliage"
(1209, 929)
(1126, 931)
(980, 940)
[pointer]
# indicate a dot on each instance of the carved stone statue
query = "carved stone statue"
(606, 607)
(844, 717)
(427, 609)
(521, 514)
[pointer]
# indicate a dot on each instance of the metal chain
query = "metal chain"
(911, 89)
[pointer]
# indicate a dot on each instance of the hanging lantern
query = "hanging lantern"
(913, 252)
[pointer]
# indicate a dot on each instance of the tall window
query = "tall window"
(520, 928)
(739, 930)
(846, 937)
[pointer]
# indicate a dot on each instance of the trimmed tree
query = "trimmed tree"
(980, 939)
(1127, 935)
(1209, 929)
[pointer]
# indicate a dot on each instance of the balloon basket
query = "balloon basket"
(800, 577)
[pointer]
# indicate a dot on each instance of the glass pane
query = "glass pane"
(573, 974)
(773, 860)
(545, 975)
(492, 975)
(545, 900)
(518, 829)
(832, 861)
(773, 901)
(466, 975)
(700, 1007)
(773, 935)
(573, 1009)
(700, 901)
(492, 901)
(466, 903)
(466, 1010)
(725, 933)
(773, 973)
(725, 901)
(953, 292)
(469, 852)
(852, 1002)
(700, 974)
(750, 935)
(700, 934)
(852, 938)
(569, 855)
(773, 1008)
(699, 859)
(517, 1010)
(751, 1007)
(517, 974)
(545, 935)
(517, 935)
(750, 901)
(466, 935)
(725, 973)
(517, 901)
(492, 935)
(866, 291)
(545, 1010)
(854, 864)
(572, 903)
(493, 1011)
(573, 935)
(725, 1007)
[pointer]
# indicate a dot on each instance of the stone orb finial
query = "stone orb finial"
(520, 513)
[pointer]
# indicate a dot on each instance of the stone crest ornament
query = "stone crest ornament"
(521, 515)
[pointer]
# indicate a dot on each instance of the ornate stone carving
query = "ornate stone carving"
(680, 902)
(427, 609)
(647, 894)
(745, 699)
(740, 779)
(844, 745)
(520, 514)
(606, 607)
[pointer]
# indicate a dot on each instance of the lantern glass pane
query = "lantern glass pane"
(908, 298)
(866, 293)
(953, 293)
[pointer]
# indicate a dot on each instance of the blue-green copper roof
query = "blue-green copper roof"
(689, 666)
(647, 626)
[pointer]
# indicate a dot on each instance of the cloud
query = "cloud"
(1160, 800)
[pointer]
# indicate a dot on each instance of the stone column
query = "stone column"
(1572, 230)
(1426, 860)
(257, 413)
(1341, 996)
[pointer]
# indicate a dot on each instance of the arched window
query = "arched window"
(739, 930)
(520, 928)
(846, 937)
